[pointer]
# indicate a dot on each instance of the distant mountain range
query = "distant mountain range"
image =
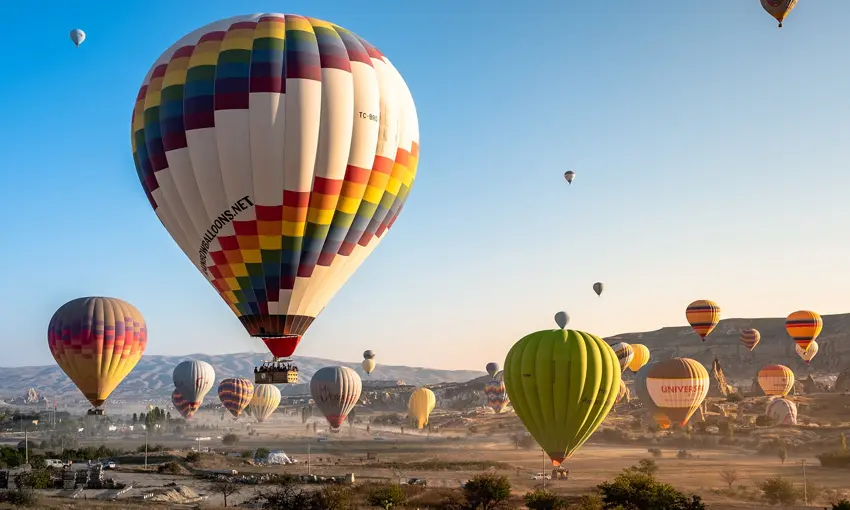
(151, 379)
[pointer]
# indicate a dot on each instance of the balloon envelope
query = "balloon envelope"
(193, 379)
(598, 287)
(492, 368)
(782, 411)
(779, 9)
(750, 338)
(625, 354)
(497, 395)
(368, 354)
(804, 326)
(807, 354)
(276, 166)
(97, 341)
(622, 392)
(677, 386)
(703, 315)
(235, 394)
(419, 406)
(368, 365)
(641, 357)
(78, 36)
(336, 391)
(569, 175)
(182, 406)
(776, 380)
(265, 401)
(562, 384)
(643, 395)
(562, 319)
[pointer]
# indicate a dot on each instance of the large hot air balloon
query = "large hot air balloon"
(803, 326)
(562, 384)
(643, 395)
(625, 354)
(336, 391)
(183, 407)
(265, 401)
(807, 354)
(779, 9)
(782, 411)
(194, 379)
(703, 315)
(776, 380)
(497, 394)
(277, 151)
(235, 394)
(97, 341)
(598, 287)
(569, 175)
(492, 368)
(420, 405)
(641, 357)
(677, 386)
(750, 338)
(78, 36)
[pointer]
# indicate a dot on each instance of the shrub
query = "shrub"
(588, 502)
(171, 468)
(230, 439)
(645, 466)
(487, 490)
(734, 398)
(633, 490)
(841, 505)
(19, 498)
(387, 497)
(35, 479)
(246, 454)
(778, 491)
(836, 459)
(683, 454)
(332, 498)
(261, 453)
(729, 476)
(763, 420)
(544, 500)
(656, 452)
(193, 457)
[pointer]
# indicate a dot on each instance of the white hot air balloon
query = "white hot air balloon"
(336, 391)
(782, 411)
(265, 401)
(809, 353)
(78, 36)
(193, 379)
(368, 361)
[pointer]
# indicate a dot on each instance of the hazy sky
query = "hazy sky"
(711, 150)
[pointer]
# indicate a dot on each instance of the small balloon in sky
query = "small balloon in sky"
(569, 175)
(562, 319)
(78, 36)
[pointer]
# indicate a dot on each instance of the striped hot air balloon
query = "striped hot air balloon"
(777, 380)
(622, 393)
(808, 354)
(640, 358)
(194, 379)
(497, 394)
(750, 338)
(625, 354)
(182, 406)
(642, 393)
(336, 391)
(265, 401)
(235, 394)
(782, 411)
(677, 386)
(803, 326)
(703, 315)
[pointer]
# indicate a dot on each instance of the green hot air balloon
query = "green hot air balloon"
(562, 384)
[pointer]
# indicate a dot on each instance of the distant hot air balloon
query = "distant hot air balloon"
(422, 401)
(598, 287)
(336, 391)
(750, 338)
(182, 406)
(782, 411)
(703, 315)
(622, 393)
(803, 326)
(641, 357)
(78, 36)
(368, 354)
(807, 354)
(194, 379)
(497, 395)
(492, 368)
(368, 365)
(569, 175)
(776, 380)
(779, 9)
(625, 354)
(235, 394)
(562, 384)
(677, 386)
(97, 341)
(643, 395)
(562, 319)
(276, 166)
(265, 401)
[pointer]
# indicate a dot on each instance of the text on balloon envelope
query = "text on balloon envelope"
(223, 219)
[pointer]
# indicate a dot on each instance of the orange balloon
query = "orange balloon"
(803, 326)
(776, 380)
(703, 315)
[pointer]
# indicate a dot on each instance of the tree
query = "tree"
(487, 490)
(729, 476)
(230, 439)
(645, 466)
(544, 500)
(632, 490)
(783, 453)
(841, 505)
(332, 498)
(35, 479)
(135, 418)
(778, 491)
(388, 496)
(226, 487)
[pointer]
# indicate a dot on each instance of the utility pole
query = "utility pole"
(544, 468)
(805, 485)
(308, 460)
(146, 447)
(26, 447)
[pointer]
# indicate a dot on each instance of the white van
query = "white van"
(54, 463)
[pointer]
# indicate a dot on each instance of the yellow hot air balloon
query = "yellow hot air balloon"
(640, 358)
(804, 326)
(562, 384)
(779, 9)
(677, 387)
(703, 315)
(264, 402)
(420, 405)
(776, 380)
(97, 341)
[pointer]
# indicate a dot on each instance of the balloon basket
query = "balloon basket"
(95, 412)
(279, 371)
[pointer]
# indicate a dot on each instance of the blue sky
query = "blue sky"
(711, 150)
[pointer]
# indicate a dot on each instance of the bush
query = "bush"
(230, 439)
(734, 398)
(632, 490)
(836, 459)
(683, 454)
(246, 454)
(588, 502)
(387, 497)
(487, 490)
(170, 468)
(193, 457)
(645, 466)
(544, 500)
(778, 491)
(19, 498)
(841, 505)
(763, 420)
(35, 479)
(261, 453)
(656, 452)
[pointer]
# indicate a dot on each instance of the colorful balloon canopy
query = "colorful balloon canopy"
(625, 354)
(598, 287)
(703, 315)
(78, 36)
(808, 354)
(779, 9)
(276, 170)
(641, 357)
(492, 368)
(677, 386)
(622, 393)
(235, 394)
(569, 175)
(804, 326)
(335, 391)
(419, 406)
(782, 411)
(776, 380)
(193, 379)
(750, 338)
(497, 395)
(562, 384)
(643, 395)
(97, 341)
(182, 406)
(264, 402)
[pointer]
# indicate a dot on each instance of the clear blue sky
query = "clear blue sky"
(711, 150)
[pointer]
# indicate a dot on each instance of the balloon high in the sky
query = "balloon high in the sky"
(492, 368)
(265, 401)
(235, 394)
(782, 411)
(497, 395)
(78, 36)
(569, 175)
(598, 287)
(625, 354)
(677, 386)
(750, 338)
(779, 9)
(335, 391)
(643, 395)
(807, 354)
(776, 380)
(703, 315)
(803, 326)
(562, 319)
(562, 384)
(97, 341)
(277, 151)
(419, 406)
(193, 379)
(641, 357)
(182, 406)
